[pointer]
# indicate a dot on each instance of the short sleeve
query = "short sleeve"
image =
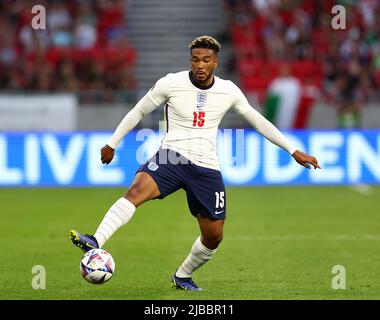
(159, 93)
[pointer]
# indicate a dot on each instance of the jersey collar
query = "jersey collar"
(197, 85)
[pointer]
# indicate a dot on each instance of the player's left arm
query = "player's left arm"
(305, 160)
(270, 132)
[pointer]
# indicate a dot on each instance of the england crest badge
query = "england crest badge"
(201, 99)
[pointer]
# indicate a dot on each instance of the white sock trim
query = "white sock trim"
(203, 248)
(198, 256)
(118, 215)
(127, 203)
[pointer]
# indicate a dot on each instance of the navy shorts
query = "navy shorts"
(204, 187)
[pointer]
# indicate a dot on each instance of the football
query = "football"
(97, 266)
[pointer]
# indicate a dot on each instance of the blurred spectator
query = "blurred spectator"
(283, 100)
(347, 96)
(8, 52)
(58, 16)
(343, 65)
(84, 49)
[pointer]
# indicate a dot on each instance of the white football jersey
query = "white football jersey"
(193, 115)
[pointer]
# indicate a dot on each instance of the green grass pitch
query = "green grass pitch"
(279, 243)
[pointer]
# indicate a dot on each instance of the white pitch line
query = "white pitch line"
(342, 237)
(339, 237)
(362, 188)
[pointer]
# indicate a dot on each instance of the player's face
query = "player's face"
(203, 62)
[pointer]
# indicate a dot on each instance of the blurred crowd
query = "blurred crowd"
(84, 48)
(341, 66)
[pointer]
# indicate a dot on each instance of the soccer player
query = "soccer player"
(195, 102)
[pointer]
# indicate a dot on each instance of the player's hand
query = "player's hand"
(107, 153)
(305, 160)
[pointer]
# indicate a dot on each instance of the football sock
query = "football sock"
(198, 256)
(117, 216)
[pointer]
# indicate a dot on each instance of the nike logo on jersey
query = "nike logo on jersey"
(218, 212)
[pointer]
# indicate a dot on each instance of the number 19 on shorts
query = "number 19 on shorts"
(219, 200)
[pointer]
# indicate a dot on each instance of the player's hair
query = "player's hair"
(207, 42)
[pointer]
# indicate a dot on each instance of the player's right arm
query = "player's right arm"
(157, 95)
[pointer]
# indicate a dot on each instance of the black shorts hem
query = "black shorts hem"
(208, 215)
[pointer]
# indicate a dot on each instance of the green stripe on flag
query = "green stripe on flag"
(271, 107)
